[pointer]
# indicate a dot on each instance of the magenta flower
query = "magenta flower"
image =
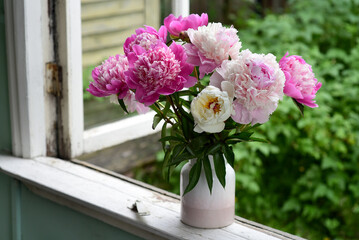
(300, 83)
(257, 83)
(109, 78)
(159, 70)
(177, 25)
(211, 45)
(145, 38)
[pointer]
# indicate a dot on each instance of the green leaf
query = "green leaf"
(167, 107)
(245, 136)
(228, 153)
(299, 106)
(220, 167)
(194, 175)
(179, 155)
(208, 171)
(165, 167)
(254, 139)
(163, 134)
(123, 106)
(214, 148)
(156, 120)
(172, 138)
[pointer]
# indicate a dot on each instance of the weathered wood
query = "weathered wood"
(110, 8)
(106, 40)
(112, 24)
(106, 198)
(95, 58)
(152, 13)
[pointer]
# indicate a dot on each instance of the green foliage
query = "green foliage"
(307, 180)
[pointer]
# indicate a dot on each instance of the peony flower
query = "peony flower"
(109, 78)
(210, 109)
(211, 45)
(300, 82)
(257, 82)
(159, 70)
(145, 38)
(177, 25)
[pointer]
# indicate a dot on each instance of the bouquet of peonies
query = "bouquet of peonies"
(208, 93)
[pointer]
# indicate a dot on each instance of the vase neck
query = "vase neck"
(210, 157)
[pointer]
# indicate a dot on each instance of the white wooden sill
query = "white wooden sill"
(106, 197)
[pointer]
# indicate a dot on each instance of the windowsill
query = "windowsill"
(107, 198)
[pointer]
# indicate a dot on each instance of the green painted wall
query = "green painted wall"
(5, 130)
(32, 217)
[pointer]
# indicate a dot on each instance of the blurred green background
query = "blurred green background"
(306, 181)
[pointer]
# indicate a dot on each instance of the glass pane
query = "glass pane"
(105, 26)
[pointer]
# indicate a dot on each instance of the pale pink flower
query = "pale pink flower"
(300, 83)
(159, 70)
(257, 82)
(109, 77)
(211, 45)
(177, 25)
(145, 38)
(133, 105)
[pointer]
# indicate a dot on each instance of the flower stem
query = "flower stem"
(162, 114)
(169, 98)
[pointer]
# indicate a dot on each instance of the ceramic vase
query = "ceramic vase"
(202, 209)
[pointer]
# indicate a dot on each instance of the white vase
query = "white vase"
(200, 208)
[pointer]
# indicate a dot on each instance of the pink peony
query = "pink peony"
(177, 25)
(211, 45)
(257, 82)
(109, 78)
(159, 70)
(300, 82)
(145, 38)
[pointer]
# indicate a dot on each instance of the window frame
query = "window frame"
(77, 140)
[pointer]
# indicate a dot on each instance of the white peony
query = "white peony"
(210, 109)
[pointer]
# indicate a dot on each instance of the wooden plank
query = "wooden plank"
(152, 13)
(94, 58)
(69, 50)
(110, 8)
(25, 44)
(111, 24)
(106, 197)
(106, 40)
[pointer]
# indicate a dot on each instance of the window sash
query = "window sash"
(32, 107)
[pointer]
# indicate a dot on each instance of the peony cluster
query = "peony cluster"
(244, 86)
